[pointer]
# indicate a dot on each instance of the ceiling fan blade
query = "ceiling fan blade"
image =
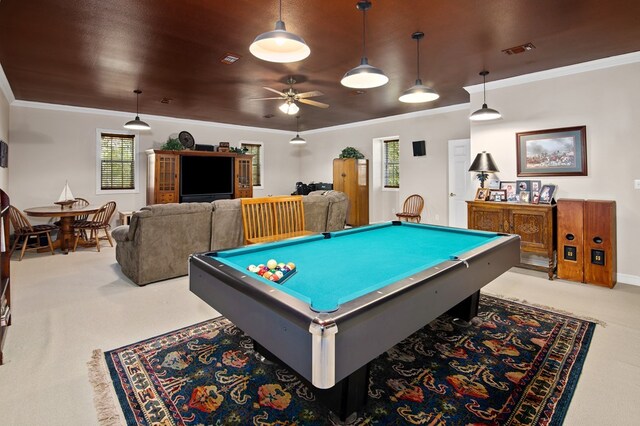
(309, 94)
(275, 91)
(313, 103)
(264, 99)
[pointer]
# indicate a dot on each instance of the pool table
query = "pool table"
(355, 294)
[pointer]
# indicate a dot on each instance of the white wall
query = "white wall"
(606, 101)
(50, 145)
(425, 175)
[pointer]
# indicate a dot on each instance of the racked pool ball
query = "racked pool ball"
(279, 274)
(252, 268)
(266, 275)
(271, 264)
(291, 266)
(280, 266)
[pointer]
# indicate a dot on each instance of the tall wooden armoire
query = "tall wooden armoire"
(351, 176)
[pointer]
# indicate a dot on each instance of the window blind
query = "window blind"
(117, 162)
(391, 170)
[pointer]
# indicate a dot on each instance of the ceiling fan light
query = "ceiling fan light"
(279, 46)
(289, 108)
(485, 114)
(364, 76)
(136, 124)
(418, 93)
(297, 140)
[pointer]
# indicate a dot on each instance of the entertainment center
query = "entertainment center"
(197, 176)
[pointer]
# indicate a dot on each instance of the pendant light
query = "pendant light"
(364, 76)
(279, 45)
(297, 140)
(485, 113)
(419, 92)
(137, 124)
(289, 107)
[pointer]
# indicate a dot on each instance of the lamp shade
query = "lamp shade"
(485, 114)
(279, 46)
(297, 140)
(364, 76)
(136, 124)
(289, 108)
(418, 93)
(483, 163)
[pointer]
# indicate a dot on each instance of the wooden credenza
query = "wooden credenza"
(535, 223)
(163, 174)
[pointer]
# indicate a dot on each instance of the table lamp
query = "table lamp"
(483, 165)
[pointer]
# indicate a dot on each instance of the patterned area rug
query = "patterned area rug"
(515, 365)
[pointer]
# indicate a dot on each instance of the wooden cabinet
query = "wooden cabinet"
(5, 284)
(163, 174)
(351, 176)
(243, 186)
(535, 223)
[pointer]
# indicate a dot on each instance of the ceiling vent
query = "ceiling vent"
(230, 58)
(519, 49)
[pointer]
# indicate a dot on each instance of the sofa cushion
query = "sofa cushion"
(337, 206)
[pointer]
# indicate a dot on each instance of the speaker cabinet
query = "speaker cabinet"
(571, 239)
(599, 258)
(419, 149)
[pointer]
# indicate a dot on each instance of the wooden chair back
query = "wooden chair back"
(272, 218)
(103, 216)
(81, 202)
(19, 221)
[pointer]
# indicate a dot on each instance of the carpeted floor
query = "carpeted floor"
(515, 365)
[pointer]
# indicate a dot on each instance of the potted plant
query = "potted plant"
(172, 144)
(351, 152)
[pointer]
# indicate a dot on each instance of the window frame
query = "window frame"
(384, 185)
(260, 164)
(136, 162)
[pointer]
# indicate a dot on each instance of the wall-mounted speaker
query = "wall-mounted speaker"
(419, 149)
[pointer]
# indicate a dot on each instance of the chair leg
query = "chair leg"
(97, 240)
(106, 231)
(75, 241)
(13, 248)
(50, 243)
(25, 243)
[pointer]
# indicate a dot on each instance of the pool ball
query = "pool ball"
(280, 265)
(260, 271)
(252, 268)
(271, 264)
(279, 274)
(274, 278)
(291, 265)
(266, 275)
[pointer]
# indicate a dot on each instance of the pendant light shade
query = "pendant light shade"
(364, 76)
(485, 113)
(418, 93)
(136, 123)
(279, 45)
(289, 107)
(297, 140)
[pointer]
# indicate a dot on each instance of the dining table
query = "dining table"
(67, 215)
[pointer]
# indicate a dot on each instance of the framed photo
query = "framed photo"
(535, 198)
(482, 194)
(535, 186)
(493, 183)
(510, 188)
(546, 194)
(522, 185)
(554, 152)
(497, 195)
(524, 196)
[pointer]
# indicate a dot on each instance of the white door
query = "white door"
(459, 181)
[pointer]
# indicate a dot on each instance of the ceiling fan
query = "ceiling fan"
(291, 96)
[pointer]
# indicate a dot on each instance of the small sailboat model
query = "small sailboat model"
(66, 197)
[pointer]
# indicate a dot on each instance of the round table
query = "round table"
(67, 216)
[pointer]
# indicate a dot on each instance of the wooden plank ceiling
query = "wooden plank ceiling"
(94, 53)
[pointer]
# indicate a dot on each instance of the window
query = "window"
(255, 149)
(391, 164)
(116, 162)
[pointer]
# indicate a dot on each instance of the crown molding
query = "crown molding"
(147, 117)
(613, 61)
(5, 87)
(409, 115)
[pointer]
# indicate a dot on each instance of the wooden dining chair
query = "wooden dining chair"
(412, 209)
(27, 232)
(100, 221)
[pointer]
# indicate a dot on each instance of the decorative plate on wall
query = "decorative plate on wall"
(186, 140)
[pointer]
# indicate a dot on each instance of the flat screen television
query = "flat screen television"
(204, 178)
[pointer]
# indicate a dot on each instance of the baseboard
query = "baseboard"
(628, 279)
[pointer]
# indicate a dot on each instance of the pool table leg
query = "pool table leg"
(346, 397)
(467, 309)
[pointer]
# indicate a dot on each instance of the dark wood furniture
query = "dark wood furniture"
(28, 234)
(412, 209)
(163, 174)
(67, 216)
(571, 239)
(5, 283)
(101, 220)
(535, 223)
(351, 176)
